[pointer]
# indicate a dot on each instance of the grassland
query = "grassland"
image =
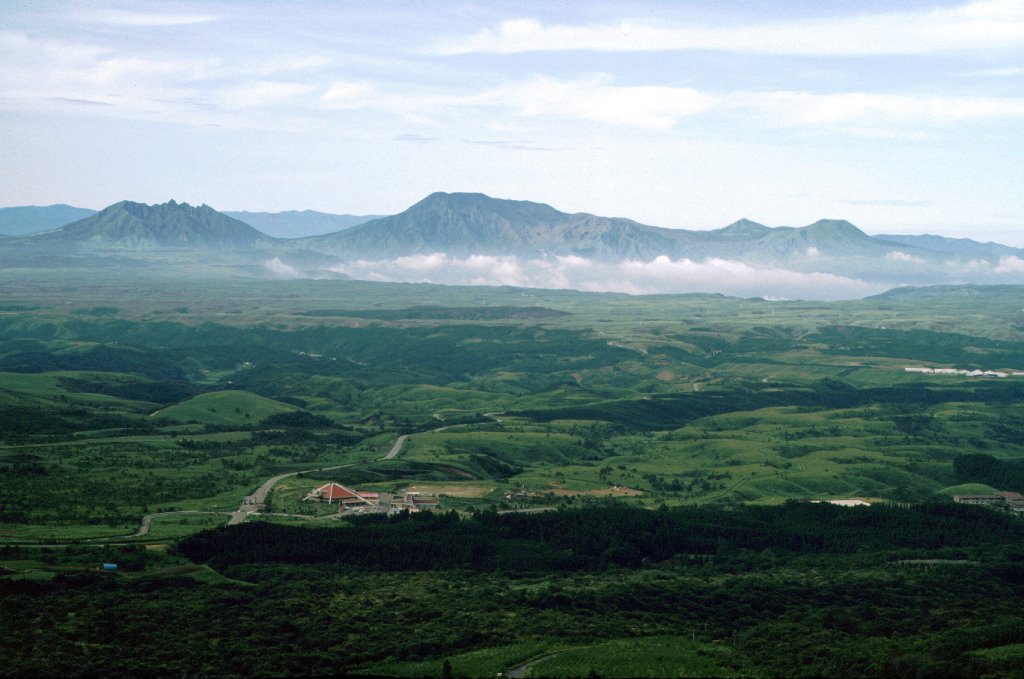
(166, 397)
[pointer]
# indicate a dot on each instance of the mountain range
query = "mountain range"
(21, 221)
(470, 227)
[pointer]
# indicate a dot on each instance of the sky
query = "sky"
(901, 117)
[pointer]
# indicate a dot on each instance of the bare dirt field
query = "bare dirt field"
(452, 490)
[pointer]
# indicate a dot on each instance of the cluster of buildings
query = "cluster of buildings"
(965, 373)
(357, 500)
(1003, 499)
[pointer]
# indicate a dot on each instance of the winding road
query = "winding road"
(253, 503)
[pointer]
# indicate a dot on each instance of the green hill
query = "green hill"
(230, 407)
(968, 489)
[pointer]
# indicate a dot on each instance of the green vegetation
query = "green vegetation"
(230, 407)
(796, 590)
(700, 415)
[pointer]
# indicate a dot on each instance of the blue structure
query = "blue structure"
(110, 566)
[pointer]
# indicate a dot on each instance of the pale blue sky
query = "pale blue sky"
(902, 117)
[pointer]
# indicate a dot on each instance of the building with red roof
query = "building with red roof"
(335, 492)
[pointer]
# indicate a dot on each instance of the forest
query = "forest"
(795, 590)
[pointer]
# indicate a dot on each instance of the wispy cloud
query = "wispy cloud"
(903, 257)
(135, 18)
(888, 202)
(1008, 72)
(988, 25)
(596, 99)
(866, 107)
(412, 138)
(281, 269)
(507, 145)
(262, 93)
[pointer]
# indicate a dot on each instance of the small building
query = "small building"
(417, 502)
(985, 500)
(110, 566)
(1015, 501)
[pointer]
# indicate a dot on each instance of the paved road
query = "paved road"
(397, 448)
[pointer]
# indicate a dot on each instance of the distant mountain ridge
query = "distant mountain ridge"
(24, 220)
(463, 224)
(447, 230)
(963, 247)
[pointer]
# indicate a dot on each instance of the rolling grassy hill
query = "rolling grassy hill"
(229, 407)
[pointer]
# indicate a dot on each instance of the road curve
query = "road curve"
(147, 520)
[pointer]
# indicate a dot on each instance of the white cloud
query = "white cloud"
(347, 94)
(899, 256)
(127, 18)
(1007, 72)
(421, 262)
(1010, 264)
(661, 275)
(865, 108)
(281, 269)
(986, 25)
(597, 99)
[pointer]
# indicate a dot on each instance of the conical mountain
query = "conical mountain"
(742, 228)
(139, 226)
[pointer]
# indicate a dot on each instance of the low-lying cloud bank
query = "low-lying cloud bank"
(661, 275)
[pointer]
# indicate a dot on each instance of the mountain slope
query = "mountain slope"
(960, 247)
(130, 225)
(298, 224)
(462, 224)
(24, 220)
